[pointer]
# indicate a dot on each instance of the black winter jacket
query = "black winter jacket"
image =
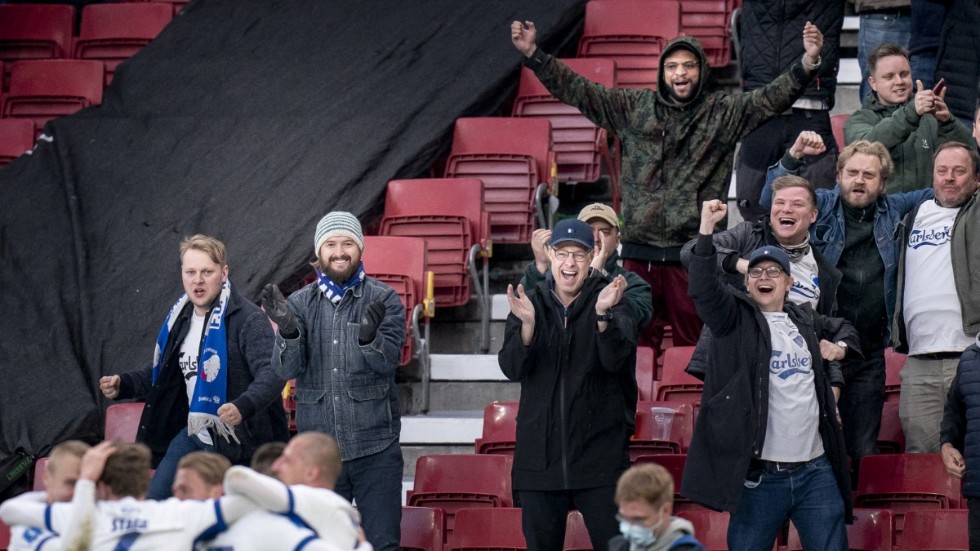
(578, 392)
(731, 424)
(959, 57)
(253, 386)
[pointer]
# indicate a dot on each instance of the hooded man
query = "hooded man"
(696, 131)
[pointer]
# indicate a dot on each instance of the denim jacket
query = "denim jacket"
(345, 389)
(827, 233)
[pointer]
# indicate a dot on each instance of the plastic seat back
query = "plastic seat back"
(499, 428)
(122, 421)
(674, 463)
(871, 531)
(710, 527)
(894, 362)
(576, 534)
(652, 422)
(633, 33)
(4, 536)
(708, 20)
(16, 138)
(36, 31)
(837, 125)
(936, 531)
(891, 438)
(39, 466)
(111, 33)
(421, 529)
(41, 90)
(646, 371)
(675, 383)
(486, 529)
(400, 263)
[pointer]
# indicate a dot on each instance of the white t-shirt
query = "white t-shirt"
(806, 283)
(933, 318)
(187, 358)
(792, 429)
(132, 524)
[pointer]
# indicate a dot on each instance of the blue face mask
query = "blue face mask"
(637, 534)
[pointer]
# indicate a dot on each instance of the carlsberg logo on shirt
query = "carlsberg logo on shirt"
(931, 237)
(786, 364)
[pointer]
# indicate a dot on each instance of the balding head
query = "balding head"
(310, 458)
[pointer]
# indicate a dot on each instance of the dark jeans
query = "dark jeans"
(860, 405)
(671, 304)
(765, 145)
(543, 516)
(374, 484)
(163, 478)
(973, 522)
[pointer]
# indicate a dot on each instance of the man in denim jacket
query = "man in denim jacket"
(855, 231)
(340, 337)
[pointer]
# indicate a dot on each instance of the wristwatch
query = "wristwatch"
(608, 316)
(843, 345)
(814, 66)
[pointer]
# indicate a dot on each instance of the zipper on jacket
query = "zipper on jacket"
(561, 399)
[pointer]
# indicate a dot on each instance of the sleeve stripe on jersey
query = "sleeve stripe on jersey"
(216, 528)
(292, 501)
(47, 519)
(306, 541)
(41, 543)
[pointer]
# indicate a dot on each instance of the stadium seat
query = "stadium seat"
(837, 126)
(112, 33)
(499, 428)
(4, 536)
(576, 534)
(488, 529)
(122, 421)
(675, 466)
(936, 531)
(399, 262)
(894, 362)
(449, 215)
(675, 383)
(38, 483)
(457, 481)
(580, 146)
(421, 529)
(903, 482)
(871, 531)
(43, 89)
(633, 34)
(710, 527)
(36, 31)
(891, 438)
(646, 371)
(16, 138)
(647, 439)
(514, 159)
(708, 21)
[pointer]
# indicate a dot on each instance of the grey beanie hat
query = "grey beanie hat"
(338, 223)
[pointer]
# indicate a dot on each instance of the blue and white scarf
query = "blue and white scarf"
(335, 292)
(210, 390)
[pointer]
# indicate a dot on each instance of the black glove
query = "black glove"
(275, 307)
(370, 321)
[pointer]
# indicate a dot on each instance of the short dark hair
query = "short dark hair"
(971, 151)
(791, 180)
(127, 470)
(884, 50)
(265, 456)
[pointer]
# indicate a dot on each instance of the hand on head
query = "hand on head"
(93, 462)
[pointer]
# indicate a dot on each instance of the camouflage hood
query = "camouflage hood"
(690, 44)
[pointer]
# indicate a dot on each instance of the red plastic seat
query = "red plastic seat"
(871, 531)
(16, 138)
(580, 146)
(499, 428)
(41, 90)
(112, 33)
(632, 33)
(710, 527)
(894, 362)
(122, 421)
(457, 481)
(488, 529)
(675, 383)
(421, 529)
(400, 263)
(903, 482)
(708, 21)
(891, 438)
(646, 371)
(511, 156)
(4, 536)
(936, 531)
(449, 215)
(39, 465)
(36, 31)
(837, 125)
(674, 463)
(647, 439)
(576, 534)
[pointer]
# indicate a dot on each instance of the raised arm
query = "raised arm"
(265, 491)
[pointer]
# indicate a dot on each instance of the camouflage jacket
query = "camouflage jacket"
(674, 156)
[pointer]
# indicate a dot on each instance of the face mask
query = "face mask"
(637, 534)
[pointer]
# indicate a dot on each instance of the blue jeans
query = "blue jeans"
(163, 479)
(374, 483)
(924, 68)
(807, 495)
(879, 28)
(860, 405)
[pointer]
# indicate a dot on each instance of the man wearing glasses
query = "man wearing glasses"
(767, 445)
(572, 346)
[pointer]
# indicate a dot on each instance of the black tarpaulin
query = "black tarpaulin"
(247, 120)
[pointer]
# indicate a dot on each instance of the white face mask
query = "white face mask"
(637, 534)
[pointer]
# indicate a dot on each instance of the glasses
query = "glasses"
(562, 255)
(771, 271)
(688, 65)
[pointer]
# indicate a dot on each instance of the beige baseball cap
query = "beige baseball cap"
(601, 211)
